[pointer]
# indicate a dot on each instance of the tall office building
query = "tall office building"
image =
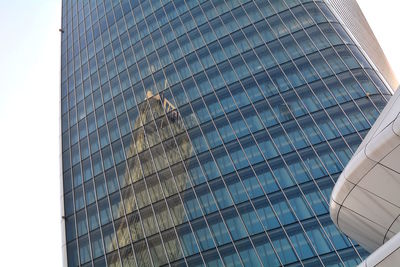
(211, 133)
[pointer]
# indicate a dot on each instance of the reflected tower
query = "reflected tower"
(152, 151)
(211, 133)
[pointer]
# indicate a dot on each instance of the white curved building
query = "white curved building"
(365, 202)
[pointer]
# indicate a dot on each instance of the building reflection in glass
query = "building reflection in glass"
(155, 171)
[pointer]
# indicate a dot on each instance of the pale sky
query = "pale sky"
(30, 232)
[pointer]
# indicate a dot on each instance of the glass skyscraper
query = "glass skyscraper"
(211, 133)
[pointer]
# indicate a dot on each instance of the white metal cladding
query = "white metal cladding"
(385, 256)
(365, 203)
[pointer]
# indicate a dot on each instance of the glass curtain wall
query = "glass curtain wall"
(208, 133)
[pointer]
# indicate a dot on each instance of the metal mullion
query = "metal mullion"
(81, 167)
(161, 7)
(294, 118)
(226, 60)
(195, 156)
(144, 17)
(265, 194)
(309, 113)
(352, 99)
(313, 94)
(271, 169)
(312, 178)
(164, 200)
(148, 194)
(356, 59)
(303, 196)
(219, 212)
(107, 196)
(216, 202)
(256, 177)
(348, 70)
(159, 232)
(85, 208)
(73, 93)
(181, 201)
(71, 165)
(184, 13)
(162, 25)
(98, 221)
(70, 156)
(169, 167)
(94, 189)
(234, 205)
(323, 58)
(139, 214)
(178, 17)
(112, 155)
(243, 185)
(76, 229)
(322, 109)
(130, 184)
(221, 37)
(195, 193)
(273, 127)
(352, 245)
(158, 178)
(126, 221)
(141, 224)
(97, 205)
(250, 200)
(300, 189)
(178, 191)
(266, 99)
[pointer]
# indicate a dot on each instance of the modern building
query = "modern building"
(365, 202)
(211, 133)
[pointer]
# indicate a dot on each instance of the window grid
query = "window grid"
(84, 124)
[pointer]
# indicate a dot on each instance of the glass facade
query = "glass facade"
(208, 133)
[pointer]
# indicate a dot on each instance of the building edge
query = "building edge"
(354, 26)
(64, 259)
